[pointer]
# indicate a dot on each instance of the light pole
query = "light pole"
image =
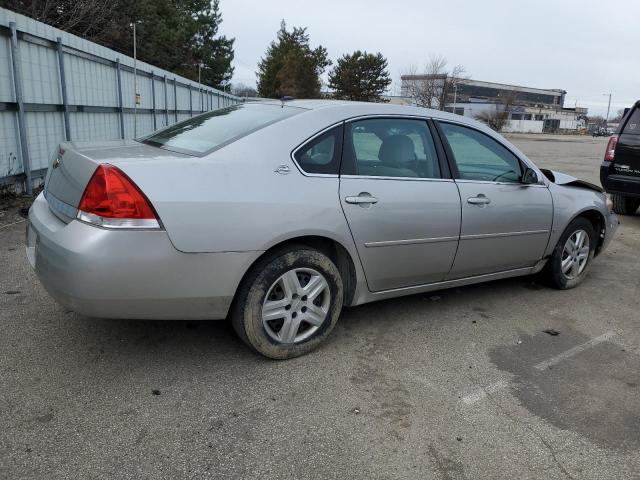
(200, 65)
(608, 106)
(135, 83)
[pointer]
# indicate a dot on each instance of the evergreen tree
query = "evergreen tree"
(360, 76)
(290, 67)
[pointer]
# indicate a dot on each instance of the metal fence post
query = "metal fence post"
(63, 88)
(166, 104)
(175, 99)
(153, 95)
(22, 129)
(120, 108)
(190, 101)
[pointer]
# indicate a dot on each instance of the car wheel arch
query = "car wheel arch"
(337, 252)
(597, 220)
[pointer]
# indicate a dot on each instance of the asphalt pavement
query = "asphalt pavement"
(459, 384)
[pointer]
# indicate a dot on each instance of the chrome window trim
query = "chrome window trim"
(490, 182)
(414, 179)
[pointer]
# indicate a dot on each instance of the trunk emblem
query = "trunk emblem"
(282, 169)
(56, 163)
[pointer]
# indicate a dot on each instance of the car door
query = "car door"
(505, 223)
(401, 207)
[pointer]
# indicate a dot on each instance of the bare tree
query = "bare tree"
(242, 90)
(597, 120)
(498, 117)
(88, 18)
(434, 85)
(618, 117)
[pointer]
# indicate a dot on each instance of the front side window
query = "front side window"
(480, 157)
(322, 154)
(206, 132)
(390, 148)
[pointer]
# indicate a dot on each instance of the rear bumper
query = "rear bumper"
(129, 274)
(613, 182)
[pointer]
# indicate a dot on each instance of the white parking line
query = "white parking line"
(575, 350)
(482, 393)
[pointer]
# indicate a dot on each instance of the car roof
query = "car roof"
(333, 111)
(351, 108)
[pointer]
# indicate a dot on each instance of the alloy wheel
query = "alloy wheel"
(575, 254)
(296, 305)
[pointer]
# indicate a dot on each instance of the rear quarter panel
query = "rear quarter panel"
(233, 200)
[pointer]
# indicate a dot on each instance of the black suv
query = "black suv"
(620, 170)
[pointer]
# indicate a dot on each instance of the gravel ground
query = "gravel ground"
(463, 383)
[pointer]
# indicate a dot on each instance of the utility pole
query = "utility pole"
(455, 95)
(608, 106)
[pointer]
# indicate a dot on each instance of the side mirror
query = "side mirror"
(530, 177)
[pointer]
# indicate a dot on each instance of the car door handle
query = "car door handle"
(363, 198)
(479, 200)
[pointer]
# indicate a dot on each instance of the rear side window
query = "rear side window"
(204, 133)
(321, 154)
(390, 147)
(633, 124)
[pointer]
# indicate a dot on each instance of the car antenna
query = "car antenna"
(286, 98)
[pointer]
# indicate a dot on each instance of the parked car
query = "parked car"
(620, 170)
(277, 215)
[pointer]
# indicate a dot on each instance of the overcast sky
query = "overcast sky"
(586, 47)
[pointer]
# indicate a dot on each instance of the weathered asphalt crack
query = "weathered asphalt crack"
(539, 436)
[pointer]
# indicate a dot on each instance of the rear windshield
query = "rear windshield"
(209, 131)
(633, 124)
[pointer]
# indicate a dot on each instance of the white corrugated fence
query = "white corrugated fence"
(55, 86)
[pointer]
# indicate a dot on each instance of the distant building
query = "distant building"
(528, 109)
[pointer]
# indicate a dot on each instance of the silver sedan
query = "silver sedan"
(277, 215)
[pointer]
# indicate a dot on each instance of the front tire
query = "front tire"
(289, 303)
(623, 205)
(569, 262)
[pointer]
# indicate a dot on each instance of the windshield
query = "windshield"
(209, 131)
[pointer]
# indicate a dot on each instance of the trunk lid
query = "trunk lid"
(74, 163)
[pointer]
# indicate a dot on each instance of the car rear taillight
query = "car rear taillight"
(610, 152)
(112, 200)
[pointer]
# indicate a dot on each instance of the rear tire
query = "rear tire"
(568, 265)
(623, 205)
(289, 303)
